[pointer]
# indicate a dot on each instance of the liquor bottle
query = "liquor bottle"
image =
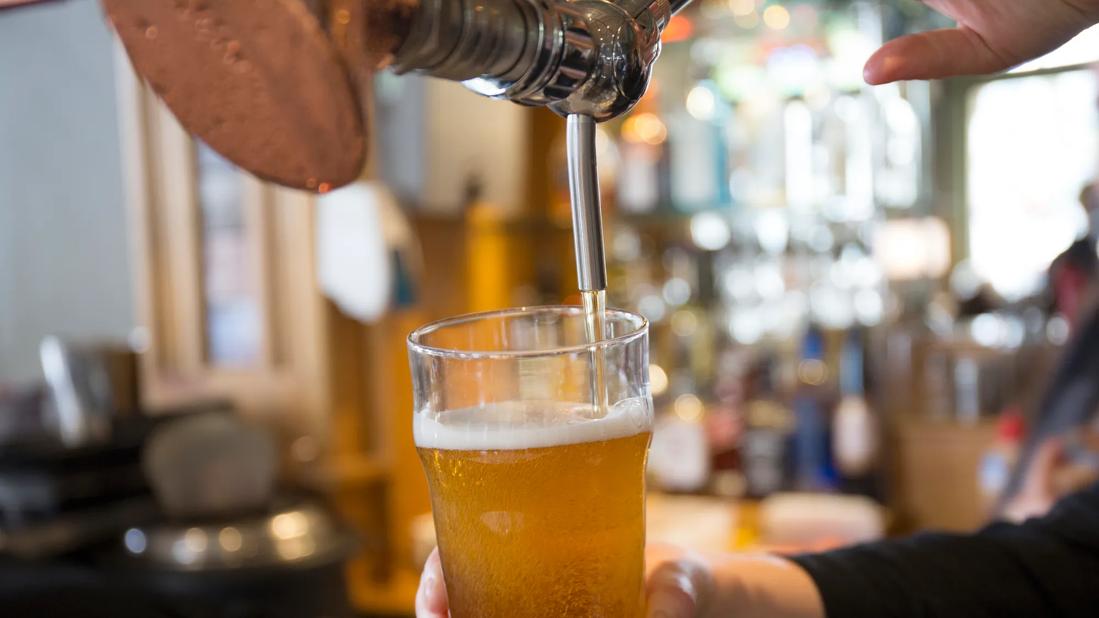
(854, 425)
(487, 263)
(768, 423)
(899, 156)
(811, 443)
(643, 153)
(698, 152)
(689, 294)
(679, 459)
(725, 425)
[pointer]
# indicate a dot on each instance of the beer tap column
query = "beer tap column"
(589, 57)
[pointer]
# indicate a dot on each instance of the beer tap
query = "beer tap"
(274, 85)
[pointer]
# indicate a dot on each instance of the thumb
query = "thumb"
(431, 601)
(1047, 457)
(1037, 493)
(679, 588)
(931, 55)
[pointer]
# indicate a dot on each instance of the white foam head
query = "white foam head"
(517, 425)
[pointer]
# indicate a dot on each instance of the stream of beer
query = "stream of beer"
(595, 327)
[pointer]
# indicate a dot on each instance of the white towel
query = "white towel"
(357, 228)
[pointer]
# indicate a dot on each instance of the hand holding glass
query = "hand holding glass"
(537, 491)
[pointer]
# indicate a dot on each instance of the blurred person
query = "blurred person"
(1074, 273)
(1047, 566)
(1060, 446)
(983, 300)
(1071, 402)
(1060, 465)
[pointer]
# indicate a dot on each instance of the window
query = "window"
(230, 278)
(1032, 143)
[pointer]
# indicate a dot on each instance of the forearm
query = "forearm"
(1044, 567)
(760, 586)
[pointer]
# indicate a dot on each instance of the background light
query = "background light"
(679, 28)
(741, 8)
(644, 128)
(688, 407)
(749, 21)
(701, 103)
(684, 323)
(776, 17)
(709, 231)
(910, 249)
(658, 380)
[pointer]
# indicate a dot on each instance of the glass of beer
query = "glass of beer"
(536, 466)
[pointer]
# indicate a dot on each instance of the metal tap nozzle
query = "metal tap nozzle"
(587, 217)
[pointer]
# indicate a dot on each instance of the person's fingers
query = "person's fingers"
(1047, 457)
(934, 54)
(431, 601)
(679, 588)
(1038, 491)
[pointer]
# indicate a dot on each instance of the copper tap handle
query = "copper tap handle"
(258, 80)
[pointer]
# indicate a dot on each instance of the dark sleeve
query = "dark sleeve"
(1043, 567)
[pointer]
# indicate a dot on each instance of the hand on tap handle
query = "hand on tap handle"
(991, 35)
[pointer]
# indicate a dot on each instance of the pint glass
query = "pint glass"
(536, 471)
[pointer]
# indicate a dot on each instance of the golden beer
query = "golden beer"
(539, 508)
